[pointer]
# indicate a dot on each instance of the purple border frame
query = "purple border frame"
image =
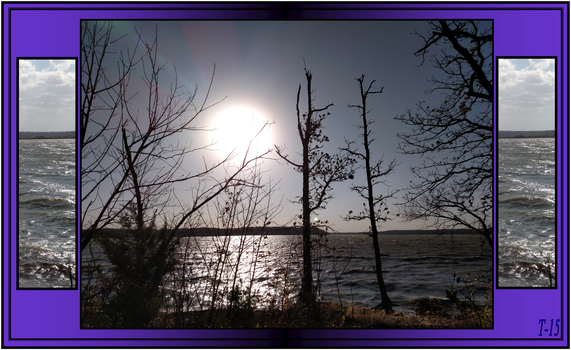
(50, 318)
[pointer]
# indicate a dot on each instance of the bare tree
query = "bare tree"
(319, 171)
(128, 154)
(101, 93)
(375, 175)
(455, 138)
(131, 161)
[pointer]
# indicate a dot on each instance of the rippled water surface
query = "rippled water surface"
(415, 266)
(526, 212)
(46, 213)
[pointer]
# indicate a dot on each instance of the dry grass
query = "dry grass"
(430, 314)
(321, 315)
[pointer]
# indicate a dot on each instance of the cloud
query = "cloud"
(526, 94)
(540, 64)
(46, 95)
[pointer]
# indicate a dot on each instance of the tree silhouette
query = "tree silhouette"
(319, 171)
(131, 161)
(141, 256)
(375, 174)
(455, 139)
(129, 156)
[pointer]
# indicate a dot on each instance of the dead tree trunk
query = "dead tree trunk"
(374, 175)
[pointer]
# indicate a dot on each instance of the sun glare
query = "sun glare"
(235, 128)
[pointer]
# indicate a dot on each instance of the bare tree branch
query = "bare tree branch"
(319, 170)
(454, 187)
(375, 175)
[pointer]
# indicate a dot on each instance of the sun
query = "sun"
(238, 130)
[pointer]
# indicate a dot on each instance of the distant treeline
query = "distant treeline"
(46, 135)
(286, 231)
(526, 134)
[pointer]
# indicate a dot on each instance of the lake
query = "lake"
(46, 213)
(415, 266)
(526, 212)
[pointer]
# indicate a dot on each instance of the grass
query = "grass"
(326, 315)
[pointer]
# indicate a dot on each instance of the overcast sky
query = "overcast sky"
(46, 95)
(526, 94)
(259, 67)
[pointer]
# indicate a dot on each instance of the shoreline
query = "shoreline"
(290, 231)
(44, 135)
(46, 138)
(526, 137)
(525, 134)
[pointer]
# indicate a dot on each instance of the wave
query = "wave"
(535, 272)
(527, 201)
(48, 202)
(43, 266)
(542, 217)
(39, 274)
(64, 220)
(40, 253)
